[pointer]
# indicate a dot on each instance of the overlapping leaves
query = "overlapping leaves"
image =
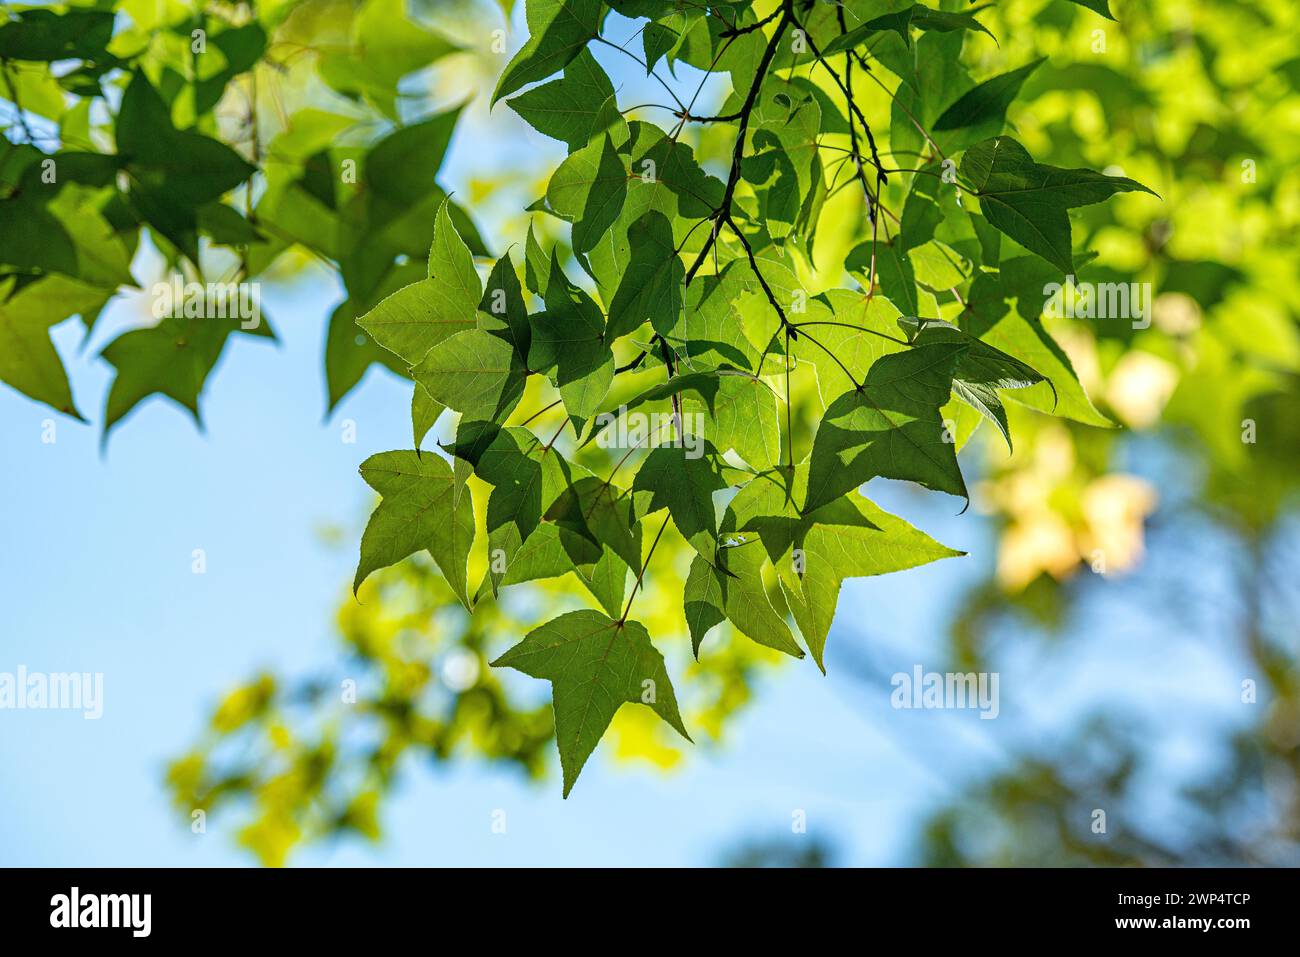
(721, 313)
(691, 277)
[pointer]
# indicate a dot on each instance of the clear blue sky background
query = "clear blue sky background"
(95, 575)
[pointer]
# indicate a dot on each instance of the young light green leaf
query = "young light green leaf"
(475, 372)
(425, 505)
(893, 271)
(732, 590)
(413, 320)
(813, 554)
(744, 417)
(595, 665)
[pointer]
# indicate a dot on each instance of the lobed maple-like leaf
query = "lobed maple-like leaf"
(595, 664)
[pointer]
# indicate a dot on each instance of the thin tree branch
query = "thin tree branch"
(733, 178)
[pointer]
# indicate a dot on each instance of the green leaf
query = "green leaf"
(1020, 333)
(850, 537)
(45, 35)
(588, 518)
(732, 590)
(588, 189)
(703, 385)
(549, 553)
(1028, 201)
(527, 477)
(857, 344)
(595, 665)
(656, 40)
(744, 418)
(1100, 7)
(704, 47)
(425, 410)
(787, 126)
(674, 478)
(569, 109)
(425, 505)
(225, 226)
(900, 22)
(537, 266)
(172, 358)
(349, 351)
(58, 227)
(28, 361)
(942, 21)
(503, 309)
(894, 271)
(414, 319)
(981, 369)
(652, 283)
(401, 170)
(558, 30)
(922, 214)
(242, 47)
(569, 347)
(708, 330)
(475, 372)
(173, 172)
(890, 427)
(595, 512)
(665, 178)
(930, 75)
(986, 103)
